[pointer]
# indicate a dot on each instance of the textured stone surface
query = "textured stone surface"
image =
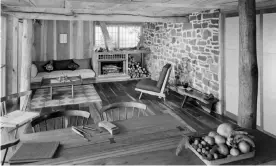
(192, 48)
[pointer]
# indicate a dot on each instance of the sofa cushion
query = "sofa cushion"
(84, 73)
(33, 70)
(62, 64)
(163, 75)
(83, 63)
(73, 66)
(49, 66)
(147, 84)
(39, 65)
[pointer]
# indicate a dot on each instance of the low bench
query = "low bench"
(207, 104)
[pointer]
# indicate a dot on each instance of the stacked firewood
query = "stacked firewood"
(135, 70)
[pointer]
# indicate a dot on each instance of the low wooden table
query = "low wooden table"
(53, 82)
(208, 104)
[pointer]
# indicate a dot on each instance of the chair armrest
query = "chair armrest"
(9, 144)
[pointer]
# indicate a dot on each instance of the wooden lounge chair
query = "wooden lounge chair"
(6, 147)
(155, 88)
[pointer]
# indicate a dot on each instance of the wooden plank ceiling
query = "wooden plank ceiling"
(142, 8)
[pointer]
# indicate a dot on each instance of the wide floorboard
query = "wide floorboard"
(124, 91)
(196, 117)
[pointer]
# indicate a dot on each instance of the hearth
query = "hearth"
(111, 67)
(110, 64)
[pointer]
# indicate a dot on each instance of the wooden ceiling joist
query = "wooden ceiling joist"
(122, 10)
(96, 17)
(160, 3)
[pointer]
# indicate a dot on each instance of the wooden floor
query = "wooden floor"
(123, 91)
(197, 118)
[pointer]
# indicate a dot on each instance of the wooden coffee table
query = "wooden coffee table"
(53, 82)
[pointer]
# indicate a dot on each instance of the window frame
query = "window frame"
(117, 46)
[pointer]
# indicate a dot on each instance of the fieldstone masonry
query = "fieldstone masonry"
(192, 48)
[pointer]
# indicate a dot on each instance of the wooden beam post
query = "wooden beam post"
(248, 68)
(11, 55)
(3, 58)
(261, 67)
(221, 104)
(26, 55)
(107, 39)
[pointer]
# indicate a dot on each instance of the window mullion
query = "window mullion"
(118, 38)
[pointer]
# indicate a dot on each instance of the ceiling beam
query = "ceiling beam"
(82, 14)
(149, 3)
(99, 17)
(69, 11)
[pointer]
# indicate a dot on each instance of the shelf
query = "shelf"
(123, 52)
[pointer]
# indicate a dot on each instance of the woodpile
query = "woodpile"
(135, 70)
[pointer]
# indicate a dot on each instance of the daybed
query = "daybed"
(60, 68)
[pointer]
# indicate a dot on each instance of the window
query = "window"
(124, 36)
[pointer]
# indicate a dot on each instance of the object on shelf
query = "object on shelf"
(208, 96)
(100, 49)
(186, 85)
(189, 89)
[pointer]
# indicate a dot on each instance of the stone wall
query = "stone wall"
(192, 48)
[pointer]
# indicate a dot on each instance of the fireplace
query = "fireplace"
(110, 64)
(111, 67)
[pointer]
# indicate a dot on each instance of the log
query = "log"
(248, 68)
(11, 55)
(26, 55)
(3, 55)
(45, 15)
(221, 102)
(25, 81)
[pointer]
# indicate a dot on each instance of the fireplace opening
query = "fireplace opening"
(112, 67)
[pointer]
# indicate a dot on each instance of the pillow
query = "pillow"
(163, 75)
(83, 63)
(62, 64)
(39, 65)
(73, 66)
(49, 66)
(33, 70)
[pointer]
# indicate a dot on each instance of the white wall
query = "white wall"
(269, 69)
(231, 64)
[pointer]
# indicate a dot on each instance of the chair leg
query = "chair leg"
(140, 95)
(3, 161)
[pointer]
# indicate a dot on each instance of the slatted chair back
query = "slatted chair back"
(64, 115)
(6, 147)
(24, 100)
(122, 111)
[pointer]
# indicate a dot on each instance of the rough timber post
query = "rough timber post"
(26, 56)
(248, 69)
